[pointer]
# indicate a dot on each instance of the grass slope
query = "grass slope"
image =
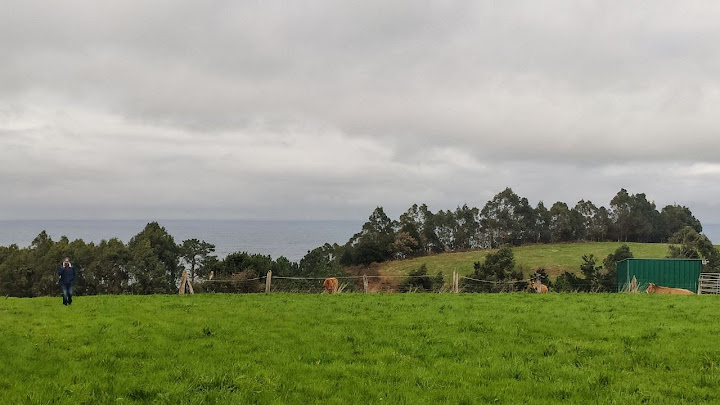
(353, 348)
(555, 258)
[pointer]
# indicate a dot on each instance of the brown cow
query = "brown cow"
(543, 287)
(656, 289)
(330, 285)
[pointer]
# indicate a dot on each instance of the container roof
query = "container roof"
(663, 259)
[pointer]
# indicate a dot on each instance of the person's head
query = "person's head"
(66, 262)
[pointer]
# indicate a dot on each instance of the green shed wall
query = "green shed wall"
(676, 273)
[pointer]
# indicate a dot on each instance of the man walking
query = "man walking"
(66, 272)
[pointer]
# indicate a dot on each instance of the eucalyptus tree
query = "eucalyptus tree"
(467, 231)
(541, 228)
(564, 225)
(374, 242)
(498, 219)
(676, 217)
(410, 225)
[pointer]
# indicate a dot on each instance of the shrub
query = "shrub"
(498, 273)
(419, 280)
(569, 282)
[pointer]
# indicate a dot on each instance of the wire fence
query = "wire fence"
(438, 283)
(251, 282)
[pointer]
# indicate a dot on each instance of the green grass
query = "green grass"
(555, 258)
(354, 348)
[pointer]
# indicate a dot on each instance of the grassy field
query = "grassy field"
(555, 258)
(354, 348)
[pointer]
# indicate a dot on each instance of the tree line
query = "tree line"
(510, 220)
(152, 261)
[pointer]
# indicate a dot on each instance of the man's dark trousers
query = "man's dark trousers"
(66, 293)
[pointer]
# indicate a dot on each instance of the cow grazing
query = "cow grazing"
(331, 285)
(543, 287)
(656, 289)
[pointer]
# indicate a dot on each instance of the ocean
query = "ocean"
(292, 239)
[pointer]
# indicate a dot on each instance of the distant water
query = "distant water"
(291, 239)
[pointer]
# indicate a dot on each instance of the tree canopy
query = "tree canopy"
(151, 261)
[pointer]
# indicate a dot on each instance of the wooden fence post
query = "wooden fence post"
(365, 283)
(185, 284)
(183, 281)
(455, 282)
(268, 280)
(190, 287)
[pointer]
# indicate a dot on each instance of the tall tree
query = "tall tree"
(195, 253)
(676, 217)
(621, 215)
(527, 219)
(499, 220)
(164, 249)
(428, 231)
(374, 242)
(601, 225)
(543, 221)
(106, 271)
(445, 228)
(411, 223)
(635, 218)
(16, 272)
(648, 226)
(467, 233)
(148, 274)
(563, 224)
(591, 224)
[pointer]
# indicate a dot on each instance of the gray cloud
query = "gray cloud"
(326, 109)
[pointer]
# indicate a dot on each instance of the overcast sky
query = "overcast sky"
(326, 109)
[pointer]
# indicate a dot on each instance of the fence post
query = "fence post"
(267, 281)
(183, 281)
(455, 282)
(365, 283)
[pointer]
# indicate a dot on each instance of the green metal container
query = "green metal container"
(675, 273)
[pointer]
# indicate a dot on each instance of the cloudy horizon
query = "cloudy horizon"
(326, 109)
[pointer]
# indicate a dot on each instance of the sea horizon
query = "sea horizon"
(291, 239)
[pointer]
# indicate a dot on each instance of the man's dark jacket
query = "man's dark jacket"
(67, 275)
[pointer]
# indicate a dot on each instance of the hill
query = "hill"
(555, 258)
